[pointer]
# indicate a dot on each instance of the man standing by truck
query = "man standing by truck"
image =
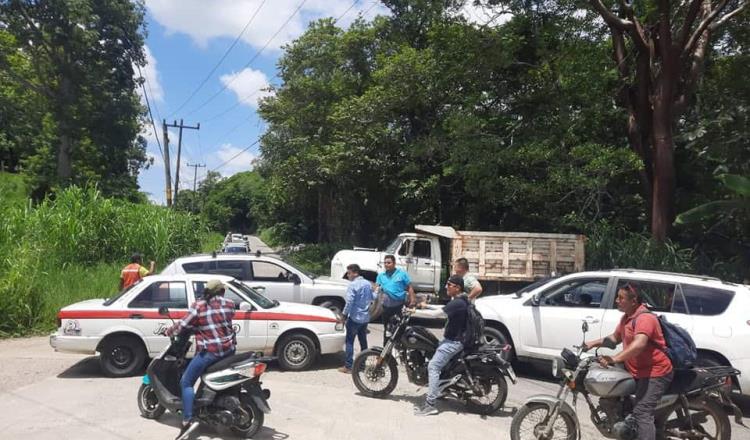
(395, 284)
(472, 286)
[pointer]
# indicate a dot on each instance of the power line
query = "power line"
(346, 12)
(150, 115)
(375, 3)
(236, 104)
(236, 155)
(257, 54)
(223, 57)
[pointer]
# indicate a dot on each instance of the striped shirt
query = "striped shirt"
(212, 322)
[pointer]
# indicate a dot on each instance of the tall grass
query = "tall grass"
(72, 246)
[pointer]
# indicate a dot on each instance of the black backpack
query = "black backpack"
(680, 345)
(474, 333)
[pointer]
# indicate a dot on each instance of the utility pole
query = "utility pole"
(167, 173)
(195, 173)
(179, 152)
(195, 180)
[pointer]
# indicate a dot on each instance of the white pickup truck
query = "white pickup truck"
(498, 259)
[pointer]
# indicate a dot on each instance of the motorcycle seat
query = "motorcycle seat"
(692, 379)
(231, 360)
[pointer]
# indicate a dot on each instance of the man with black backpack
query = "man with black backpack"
(452, 343)
(644, 354)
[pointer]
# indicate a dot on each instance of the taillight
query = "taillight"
(260, 368)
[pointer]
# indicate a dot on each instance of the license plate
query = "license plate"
(146, 380)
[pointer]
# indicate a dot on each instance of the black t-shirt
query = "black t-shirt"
(456, 310)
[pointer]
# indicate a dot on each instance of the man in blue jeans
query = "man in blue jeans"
(452, 344)
(211, 320)
(396, 286)
(359, 297)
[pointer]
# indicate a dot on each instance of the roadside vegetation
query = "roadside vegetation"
(72, 245)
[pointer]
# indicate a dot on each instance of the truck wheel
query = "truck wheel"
(121, 356)
(336, 306)
(296, 352)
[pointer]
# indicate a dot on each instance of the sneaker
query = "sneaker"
(426, 410)
(345, 370)
(186, 429)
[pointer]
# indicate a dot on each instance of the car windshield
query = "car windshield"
(253, 294)
(110, 301)
(391, 248)
(534, 285)
(235, 249)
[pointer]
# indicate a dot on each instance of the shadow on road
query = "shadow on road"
(265, 433)
(87, 368)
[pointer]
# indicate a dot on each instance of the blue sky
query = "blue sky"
(186, 40)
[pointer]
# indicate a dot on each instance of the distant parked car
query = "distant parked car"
(274, 278)
(125, 329)
(542, 320)
(236, 248)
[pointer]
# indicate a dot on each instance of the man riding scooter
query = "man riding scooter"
(211, 320)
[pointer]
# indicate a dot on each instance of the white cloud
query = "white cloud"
(483, 14)
(236, 160)
(153, 83)
(227, 18)
(248, 85)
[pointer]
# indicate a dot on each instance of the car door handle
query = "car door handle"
(591, 320)
(136, 316)
(427, 263)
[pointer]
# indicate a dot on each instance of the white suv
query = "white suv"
(542, 320)
(275, 278)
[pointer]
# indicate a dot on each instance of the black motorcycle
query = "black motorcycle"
(229, 394)
(475, 376)
(692, 408)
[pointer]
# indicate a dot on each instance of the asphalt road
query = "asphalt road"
(48, 395)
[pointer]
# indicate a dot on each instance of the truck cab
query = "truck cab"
(418, 254)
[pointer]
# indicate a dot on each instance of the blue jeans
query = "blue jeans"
(444, 353)
(194, 370)
(360, 331)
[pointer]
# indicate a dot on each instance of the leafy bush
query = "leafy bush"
(46, 248)
(608, 247)
(314, 258)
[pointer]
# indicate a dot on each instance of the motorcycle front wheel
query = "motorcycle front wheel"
(494, 392)
(530, 420)
(246, 428)
(148, 403)
(709, 421)
(372, 377)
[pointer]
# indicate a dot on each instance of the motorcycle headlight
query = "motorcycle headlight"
(555, 367)
(339, 327)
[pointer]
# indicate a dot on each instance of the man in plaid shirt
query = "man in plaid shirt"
(211, 320)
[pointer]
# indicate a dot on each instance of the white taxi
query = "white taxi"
(125, 329)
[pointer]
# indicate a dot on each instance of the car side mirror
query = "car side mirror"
(246, 306)
(536, 299)
(164, 311)
(296, 279)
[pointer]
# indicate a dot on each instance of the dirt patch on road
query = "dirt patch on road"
(24, 361)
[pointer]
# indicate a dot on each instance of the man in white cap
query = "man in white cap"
(211, 319)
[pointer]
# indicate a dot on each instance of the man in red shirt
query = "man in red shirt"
(644, 356)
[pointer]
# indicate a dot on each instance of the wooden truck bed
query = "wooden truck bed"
(514, 256)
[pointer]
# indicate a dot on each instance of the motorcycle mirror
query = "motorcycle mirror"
(164, 311)
(585, 327)
(535, 300)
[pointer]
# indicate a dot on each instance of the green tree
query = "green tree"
(80, 57)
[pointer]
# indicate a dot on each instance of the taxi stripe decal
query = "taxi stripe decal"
(147, 314)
